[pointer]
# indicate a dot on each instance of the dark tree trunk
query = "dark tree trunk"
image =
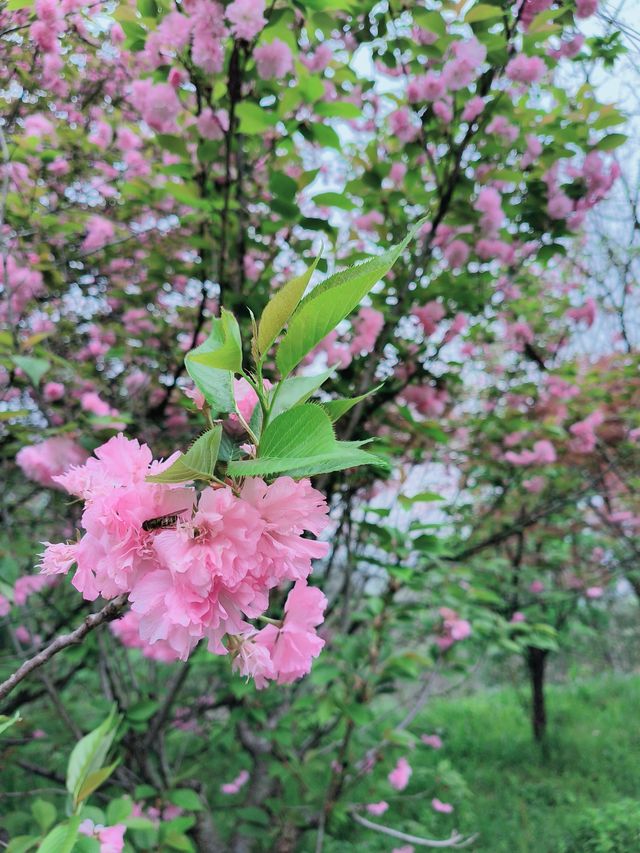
(536, 661)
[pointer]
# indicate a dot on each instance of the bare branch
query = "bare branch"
(456, 841)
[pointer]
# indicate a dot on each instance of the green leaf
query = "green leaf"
(280, 308)
(94, 780)
(22, 843)
(333, 199)
(325, 136)
(62, 838)
(148, 8)
(613, 140)
(422, 497)
(337, 109)
(301, 443)
(89, 753)
(118, 810)
(178, 841)
(432, 21)
(228, 355)
(186, 799)
(254, 118)
(482, 12)
(198, 463)
(283, 186)
(330, 302)
(216, 385)
(337, 408)
(34, 368)
(295, 390)
(19, 4)
(7, 722)
(44, 813)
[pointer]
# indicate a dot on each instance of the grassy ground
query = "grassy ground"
(521, 801)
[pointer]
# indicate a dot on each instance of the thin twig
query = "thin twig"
(456, 841)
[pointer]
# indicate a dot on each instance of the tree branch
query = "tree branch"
(109, 612)
(456, 841)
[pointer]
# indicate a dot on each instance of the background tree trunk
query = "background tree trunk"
(536, 661)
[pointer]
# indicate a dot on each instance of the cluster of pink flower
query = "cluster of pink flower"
(43, 462)
(584, 436)
(367, 325)
(453, 629)
(110, 838)
(205, 574)
(543, 453)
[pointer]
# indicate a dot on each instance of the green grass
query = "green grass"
(521, 800)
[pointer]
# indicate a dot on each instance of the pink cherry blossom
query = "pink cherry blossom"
(543, 453)
(157, 103)
(594, 592)
(111, 838)
(400, 775)
(246, 18)
(473, 108)
(377, 808)
(44, 462)
(489, 204)
(429, 316)
(53, 391)
(367, 326)
(586, 8)
(525, 69)
(273, 60)
(100, 232)
(434, 741)
(238, 783)
(583, 432)
(293, 646)
(438, 806)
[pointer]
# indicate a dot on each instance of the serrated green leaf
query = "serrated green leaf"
(337, 408)
(295, 390)
(301, 442)
(330, 302)
(198, 463)
(280, 308)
